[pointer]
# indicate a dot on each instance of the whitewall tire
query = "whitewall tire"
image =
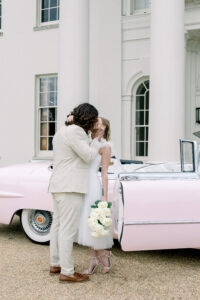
(36, 225)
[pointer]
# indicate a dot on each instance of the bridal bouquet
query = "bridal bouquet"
(100, 220)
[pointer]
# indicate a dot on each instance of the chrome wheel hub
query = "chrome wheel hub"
(40, 221)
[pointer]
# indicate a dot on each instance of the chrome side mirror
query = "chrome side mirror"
(50, 168)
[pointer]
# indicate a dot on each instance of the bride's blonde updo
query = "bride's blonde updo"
(107, 132)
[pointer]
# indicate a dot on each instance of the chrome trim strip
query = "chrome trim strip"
(120, 239)
(158, 176)
(162, 222)
(10, 195)
(129, 178)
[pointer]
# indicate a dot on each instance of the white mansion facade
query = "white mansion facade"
(56, 54)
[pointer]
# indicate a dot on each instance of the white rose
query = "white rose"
(94, 215)
(89, 221)
(108, 222)
(95, 234)
(103, 220)
(95, 226)
(94, 218)
(102, 204)
(92, 222)
(99, 211)
(107, 212)
(98, 227)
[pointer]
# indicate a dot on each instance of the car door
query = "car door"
(160, 210)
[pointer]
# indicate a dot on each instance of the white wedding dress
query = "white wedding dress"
(94, 193)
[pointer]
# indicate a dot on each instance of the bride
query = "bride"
(99, 255)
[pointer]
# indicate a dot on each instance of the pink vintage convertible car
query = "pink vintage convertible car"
(155, 206)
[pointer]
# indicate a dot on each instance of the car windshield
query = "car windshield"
(187, 163)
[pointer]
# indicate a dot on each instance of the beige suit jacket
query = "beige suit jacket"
(72, 155)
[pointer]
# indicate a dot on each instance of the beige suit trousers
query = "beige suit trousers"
(67, 209)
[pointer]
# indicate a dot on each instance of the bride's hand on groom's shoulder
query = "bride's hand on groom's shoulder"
(70, 119)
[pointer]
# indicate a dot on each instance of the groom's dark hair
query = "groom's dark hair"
(85, 115)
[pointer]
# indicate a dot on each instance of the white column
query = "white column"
(73, 83)
(105, 63)
(167, 79)
(126, 126)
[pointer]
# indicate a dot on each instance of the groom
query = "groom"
(69, 181)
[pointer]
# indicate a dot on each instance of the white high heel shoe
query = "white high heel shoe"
(106, 269)
(97, 263)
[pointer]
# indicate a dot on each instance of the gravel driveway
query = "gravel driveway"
(24, 266)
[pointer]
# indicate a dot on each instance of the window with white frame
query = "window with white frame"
(142, 119)
(0, 14)
(141, 4)
(49, 11)
(46, 113)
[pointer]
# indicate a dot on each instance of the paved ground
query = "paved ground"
(152, 275)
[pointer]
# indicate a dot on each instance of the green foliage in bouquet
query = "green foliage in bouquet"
(95, 205)
(109, 204)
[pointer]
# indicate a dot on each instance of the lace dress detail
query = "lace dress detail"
(94, 193)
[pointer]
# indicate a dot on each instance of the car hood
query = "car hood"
(19, 171)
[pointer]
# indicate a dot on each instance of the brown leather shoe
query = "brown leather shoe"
(82, 275)
(76, 277)
(54, 270)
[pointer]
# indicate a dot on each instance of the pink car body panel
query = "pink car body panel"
(24, 187)
(161, 214)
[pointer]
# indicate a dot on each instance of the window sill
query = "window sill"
(45, 27)
(141, 12)
(42, 158)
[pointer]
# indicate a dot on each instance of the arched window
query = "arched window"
(142, 119)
